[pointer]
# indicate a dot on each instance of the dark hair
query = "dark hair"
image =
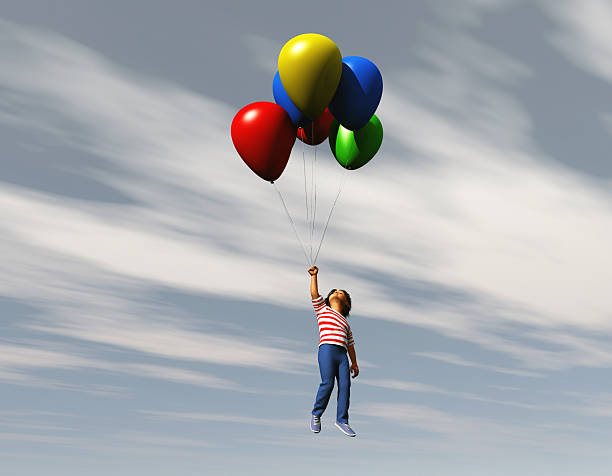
(346, 309)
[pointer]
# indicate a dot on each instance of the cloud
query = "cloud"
(460, 225)
(126, 442)
(583, 34)
(37, 438)
(264, 52)
(457, 360)
(169, 341)
(463, 434)
(225, 418)
(394, 384)
(143, 438)
(18, 362)
(592, 404)
(85, 304)
(468, 12)
(459, 199)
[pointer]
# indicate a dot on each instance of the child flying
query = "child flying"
(335, 341)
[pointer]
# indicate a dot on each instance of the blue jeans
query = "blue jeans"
(333, 364)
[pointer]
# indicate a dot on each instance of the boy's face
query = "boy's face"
(338, 295)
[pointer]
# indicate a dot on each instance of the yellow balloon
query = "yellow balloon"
(310, 67)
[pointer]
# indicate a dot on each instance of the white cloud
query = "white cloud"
(477, 214)
(583, 33)
(130, 443)
(71, 441)
(264, 52)
(394, 384)
(18, 364)
(458, 360)
(143, 438)
(463, 434)
(594, 404)
(170, 341)
(226, 418)
(468, 12)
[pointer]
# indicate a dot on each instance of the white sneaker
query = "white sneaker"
(346, 429)
(315, 424)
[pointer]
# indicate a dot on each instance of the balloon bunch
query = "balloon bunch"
(318, 95)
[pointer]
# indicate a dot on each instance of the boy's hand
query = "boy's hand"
(313, 270)
(355, 370)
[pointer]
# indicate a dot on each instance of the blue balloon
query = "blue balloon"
(282, 99)
(358, 93)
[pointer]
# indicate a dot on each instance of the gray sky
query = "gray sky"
(154, 307)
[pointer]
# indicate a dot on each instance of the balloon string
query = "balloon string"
(291, 221)
(342, 181)
(312, 184)
(307, 196)
(314, 216)
(305, 188)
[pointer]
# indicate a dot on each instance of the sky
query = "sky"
(155, 312)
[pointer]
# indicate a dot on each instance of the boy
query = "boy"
(335, 341)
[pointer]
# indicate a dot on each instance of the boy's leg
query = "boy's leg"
(344, 390)
(328, 373)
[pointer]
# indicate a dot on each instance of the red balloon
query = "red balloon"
(263, 135)
(318, 130)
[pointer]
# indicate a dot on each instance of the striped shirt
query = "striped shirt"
(333, 326)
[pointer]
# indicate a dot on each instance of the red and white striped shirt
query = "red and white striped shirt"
(333, 326)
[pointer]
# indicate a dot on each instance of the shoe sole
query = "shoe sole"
(347, 434)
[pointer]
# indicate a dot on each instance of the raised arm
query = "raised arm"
(314, 287)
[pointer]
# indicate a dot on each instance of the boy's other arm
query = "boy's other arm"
(354, 367)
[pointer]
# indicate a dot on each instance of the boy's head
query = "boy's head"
(342, 298)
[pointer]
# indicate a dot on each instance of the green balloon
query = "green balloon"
(354, 149)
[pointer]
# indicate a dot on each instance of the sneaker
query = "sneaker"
(346, 429)
(315, 424)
